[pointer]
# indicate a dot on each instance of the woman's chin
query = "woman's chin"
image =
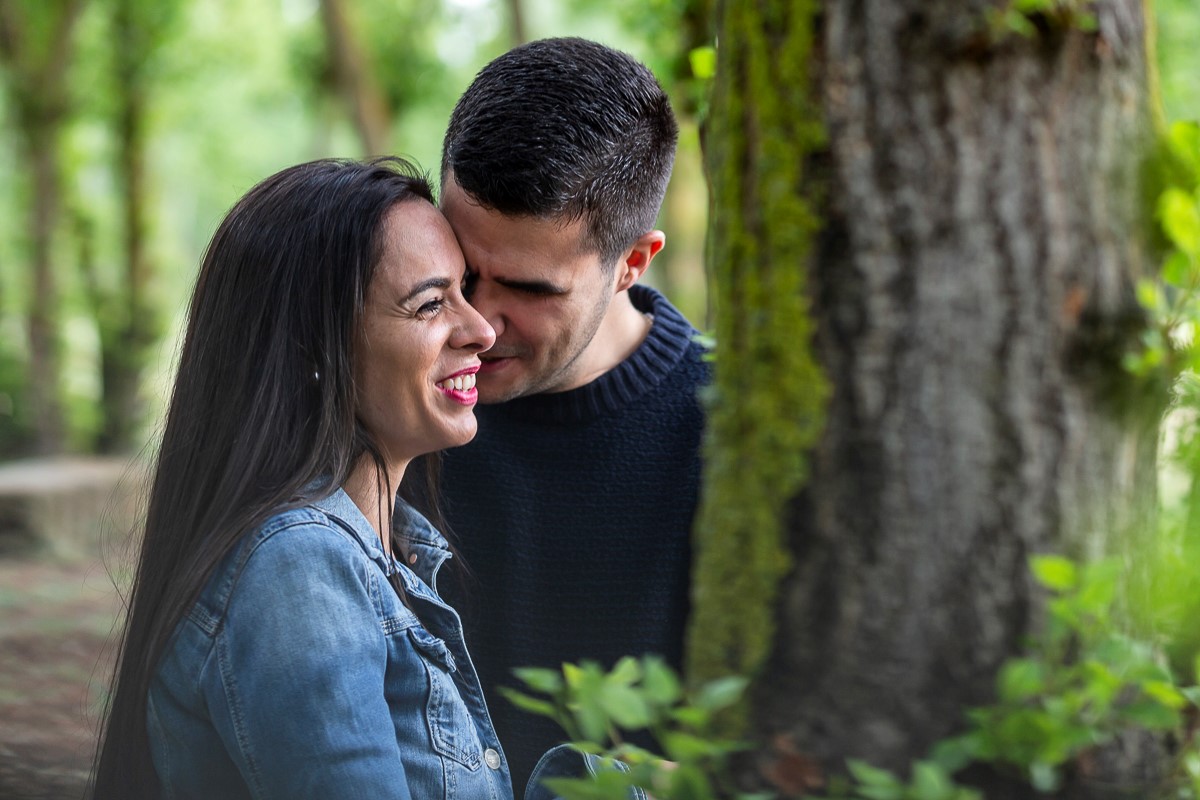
(461, 436)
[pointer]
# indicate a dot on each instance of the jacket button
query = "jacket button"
(491, 758)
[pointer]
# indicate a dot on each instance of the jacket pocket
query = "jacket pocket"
(451, 728)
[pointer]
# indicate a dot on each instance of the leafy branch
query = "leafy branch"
(597, 709)
(1079, 686)
(1171, 299)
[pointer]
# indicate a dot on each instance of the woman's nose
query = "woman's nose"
(483, 300)
(475, 332)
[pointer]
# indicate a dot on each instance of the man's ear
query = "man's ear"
(633, 264)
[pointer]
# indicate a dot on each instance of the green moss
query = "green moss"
(766, 404)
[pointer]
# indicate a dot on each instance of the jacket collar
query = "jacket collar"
(415, 535)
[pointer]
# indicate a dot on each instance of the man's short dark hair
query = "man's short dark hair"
(566, 129)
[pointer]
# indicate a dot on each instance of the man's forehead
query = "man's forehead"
(492, 239)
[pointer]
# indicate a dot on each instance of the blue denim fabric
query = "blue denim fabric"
(300, 674)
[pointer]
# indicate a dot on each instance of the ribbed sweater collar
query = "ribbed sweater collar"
(648, 366)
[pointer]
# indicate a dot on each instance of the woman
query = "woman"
(284, 638)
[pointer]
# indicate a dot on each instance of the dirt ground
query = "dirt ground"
(56, 618)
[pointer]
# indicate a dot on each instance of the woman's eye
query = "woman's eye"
(430, 308)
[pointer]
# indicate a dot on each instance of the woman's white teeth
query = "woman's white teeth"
(463, 383)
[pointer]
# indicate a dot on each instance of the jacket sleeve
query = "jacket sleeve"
(296, 690)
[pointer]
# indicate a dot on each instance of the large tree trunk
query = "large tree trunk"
(973, 297)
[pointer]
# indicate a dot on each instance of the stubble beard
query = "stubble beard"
(546, 381)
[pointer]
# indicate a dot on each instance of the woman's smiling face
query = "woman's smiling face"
(418, 349)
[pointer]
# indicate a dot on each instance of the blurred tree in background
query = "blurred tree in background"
(37, 46)
(128, 321)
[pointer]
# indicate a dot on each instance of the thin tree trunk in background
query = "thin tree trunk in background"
(124, 343)
(44, 350)
(355, 81)
(39, 94)
(516, 21)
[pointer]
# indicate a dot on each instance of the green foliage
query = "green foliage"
(1080, 685)
(1024, 17)
(1171, 300)
(596, 708)
(703, 61)
(929, 781)
(1177, 31)
(678, 40)
(1165, 596)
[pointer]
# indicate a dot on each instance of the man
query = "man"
(573, 506)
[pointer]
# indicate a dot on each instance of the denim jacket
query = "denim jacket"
(299, 673)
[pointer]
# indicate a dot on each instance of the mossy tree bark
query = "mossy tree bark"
(972, 295)
(767, 391)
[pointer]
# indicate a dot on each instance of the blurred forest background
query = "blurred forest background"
(131, 126)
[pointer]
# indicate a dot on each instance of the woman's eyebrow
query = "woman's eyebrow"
(432, 283)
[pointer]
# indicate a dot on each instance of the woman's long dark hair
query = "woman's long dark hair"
(262, 416)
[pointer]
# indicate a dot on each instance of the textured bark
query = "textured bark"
(973, 297)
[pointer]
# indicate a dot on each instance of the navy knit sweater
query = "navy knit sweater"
(573, 512)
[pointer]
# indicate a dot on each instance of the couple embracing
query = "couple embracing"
(293, 631)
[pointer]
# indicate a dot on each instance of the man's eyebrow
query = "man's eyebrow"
(536, 287)
(432, 283)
